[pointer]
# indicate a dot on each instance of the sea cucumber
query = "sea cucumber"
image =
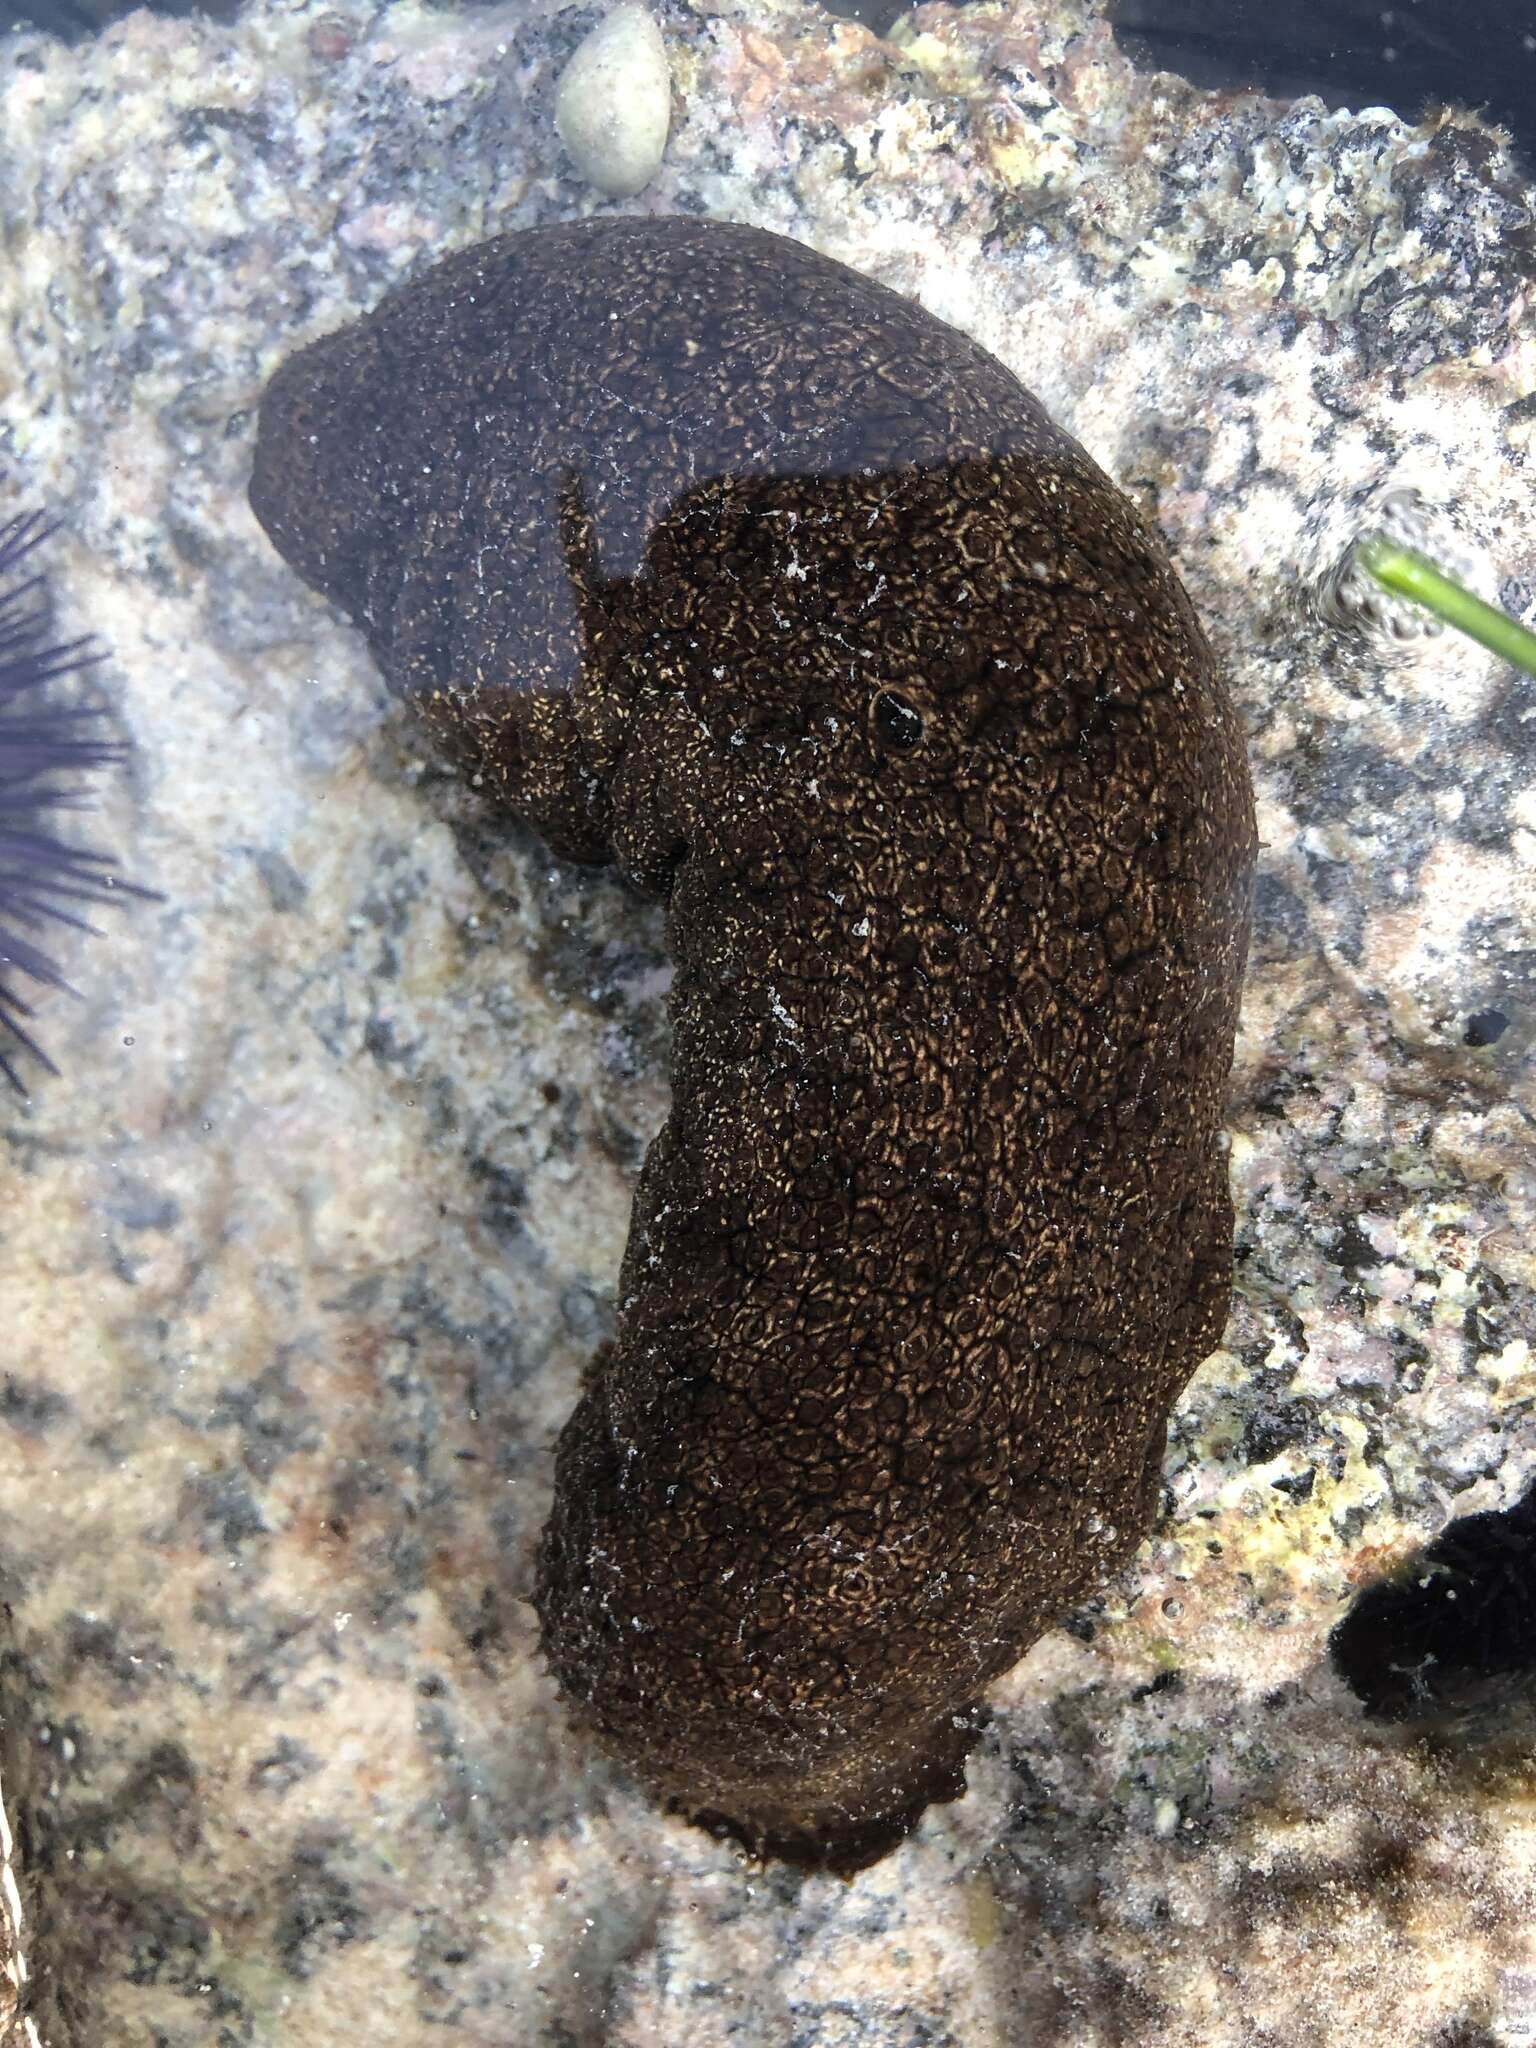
(710, 558)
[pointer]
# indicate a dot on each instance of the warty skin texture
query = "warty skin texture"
(712, 559)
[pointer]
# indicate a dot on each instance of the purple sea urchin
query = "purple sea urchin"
(45, 749)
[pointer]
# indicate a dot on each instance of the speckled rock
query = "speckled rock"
(300, 1282)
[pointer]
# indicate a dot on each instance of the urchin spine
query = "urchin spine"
(47, 748)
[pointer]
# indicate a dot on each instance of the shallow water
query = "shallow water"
(305, 1250)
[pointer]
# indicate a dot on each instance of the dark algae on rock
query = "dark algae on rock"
(709, 558)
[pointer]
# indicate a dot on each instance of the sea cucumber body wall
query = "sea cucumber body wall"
(715, 560)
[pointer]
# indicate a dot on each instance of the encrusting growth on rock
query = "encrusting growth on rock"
(714, 560)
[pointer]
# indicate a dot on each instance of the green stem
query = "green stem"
(1407, 573)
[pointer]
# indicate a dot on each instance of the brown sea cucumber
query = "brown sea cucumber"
(717, 561)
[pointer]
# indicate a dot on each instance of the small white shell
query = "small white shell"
(614, 102)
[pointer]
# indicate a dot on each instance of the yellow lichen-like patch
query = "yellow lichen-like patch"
(1512, 1371)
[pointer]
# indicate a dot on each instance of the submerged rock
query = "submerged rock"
(614, 102)
(286, 1283)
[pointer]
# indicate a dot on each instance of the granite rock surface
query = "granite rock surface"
(301, 1261)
